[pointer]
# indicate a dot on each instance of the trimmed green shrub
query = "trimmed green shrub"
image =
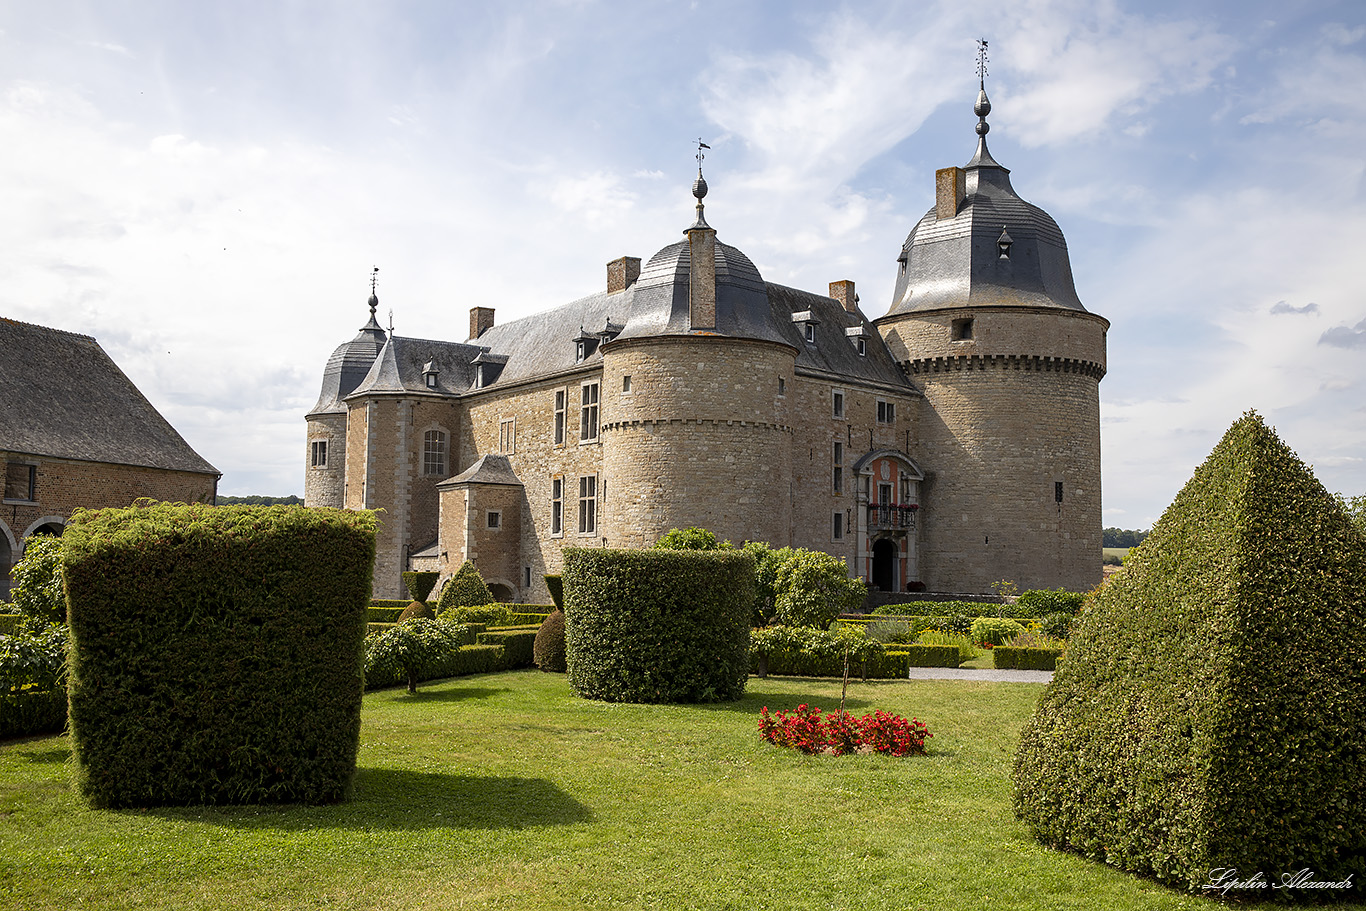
(1038, 602)
(394, 604)
(1025, 658)
(416, 610)
(521, 618)
(657, 625)
(927, 655)
(464, 589)
(216, 652)
(548, 649)
(961, 641)
(421, 650)
(383, 614)
(34, 712)
(37, 590)
(1210, 712)
(10, 623)
(420, 583)
(488, 615)
(555, 583)
(691, 539)
(993, 630)
(807, 652)
(518, 645)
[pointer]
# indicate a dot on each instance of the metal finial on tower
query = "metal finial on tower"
(699, 186)
(983, 107)
(374, 298)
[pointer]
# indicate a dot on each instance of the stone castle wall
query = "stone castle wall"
(1065, 336)
(702, 438)
(326, 485)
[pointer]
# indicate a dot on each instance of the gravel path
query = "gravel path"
(988, 675)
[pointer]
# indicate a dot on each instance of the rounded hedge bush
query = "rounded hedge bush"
(464, 589)
(548, 652)
(657, 625)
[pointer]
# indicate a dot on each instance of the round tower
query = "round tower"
(696, 429)
(325, 457)
(986, 319)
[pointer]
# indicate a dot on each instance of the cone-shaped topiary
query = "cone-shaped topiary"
(548, 651)
(555, 583)
(420, 583)
(464, 589)
(1211, 712)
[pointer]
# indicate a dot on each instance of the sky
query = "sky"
(205, 188)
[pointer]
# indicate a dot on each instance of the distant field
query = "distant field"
(1116, 551)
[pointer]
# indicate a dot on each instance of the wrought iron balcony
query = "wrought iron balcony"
(890, 515)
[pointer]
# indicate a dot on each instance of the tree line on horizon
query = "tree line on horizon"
(257, 500)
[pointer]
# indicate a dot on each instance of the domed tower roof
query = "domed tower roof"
(982, 245)
(349, 364)
(665, 296)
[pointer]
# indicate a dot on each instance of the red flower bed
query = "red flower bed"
(838, 733)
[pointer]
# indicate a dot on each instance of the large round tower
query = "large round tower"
(325, 459)
(986, 319)
(696, 429)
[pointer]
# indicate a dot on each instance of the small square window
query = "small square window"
(886, 412)
(626, 383)
(495, 519)
(319, 453)
(782, 386)
(21, 482)
(961, 330)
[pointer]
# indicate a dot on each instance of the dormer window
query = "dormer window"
(862, 347)
(810, 332)
(855, 334)
(487, 367)
(806, 320)
(584, 345)
(1003, 245)
(430, 374)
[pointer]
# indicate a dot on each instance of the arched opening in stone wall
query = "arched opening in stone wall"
(502, 594)
(884, 565)
(6, 561)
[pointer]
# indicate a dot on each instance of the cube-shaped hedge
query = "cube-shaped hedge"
(1211, 712)
(217, 652)
(657, 625)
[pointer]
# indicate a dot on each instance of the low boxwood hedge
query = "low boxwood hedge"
(918, 655)
(518, 645)
(1025, 658)
(385, 614)
(26, 714)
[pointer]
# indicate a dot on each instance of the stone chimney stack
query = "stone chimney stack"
(622, 273)
(843, 291)
(481, 321)
(950, 189)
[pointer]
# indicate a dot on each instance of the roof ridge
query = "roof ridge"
(19, 322)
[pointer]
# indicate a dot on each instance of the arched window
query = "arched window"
(434, 453)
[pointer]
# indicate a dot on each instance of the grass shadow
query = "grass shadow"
(446, 694)
(404, 800)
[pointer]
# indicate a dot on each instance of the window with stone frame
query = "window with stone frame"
(557, 506)
(319, 453)
(837, 404)
(507, 435)
(434, 453)
(494, 519)
(21, 482)
(837, 532)
(560, 395)
(588, 505)
(838, 475)
(886, 412)
(588, 413)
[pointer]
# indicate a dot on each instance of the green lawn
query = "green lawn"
(504, 791)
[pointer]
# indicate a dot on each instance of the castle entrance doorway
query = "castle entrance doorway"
(884, 564)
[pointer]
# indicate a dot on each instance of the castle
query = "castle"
(948, 444)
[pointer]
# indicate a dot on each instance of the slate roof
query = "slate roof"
(490, 469)
(347, 367)
(62, 396)
(835, 351)
(399, 367)
(955, 262)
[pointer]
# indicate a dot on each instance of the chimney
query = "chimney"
(950, 188)
(622, 273)
(481, 321)
(701, 278)
(843, 291)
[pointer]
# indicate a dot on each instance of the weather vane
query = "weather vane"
(374, 277)
(982, 61)
(700, 146)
